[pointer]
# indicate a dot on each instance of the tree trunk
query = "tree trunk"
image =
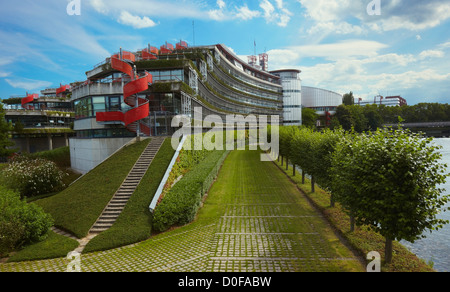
(281, 160)
(293, 169)
(313, 183)
(287, 163)
(388, 250)
(332, 200)
(352, 223)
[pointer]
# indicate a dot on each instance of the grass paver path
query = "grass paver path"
(254, 219)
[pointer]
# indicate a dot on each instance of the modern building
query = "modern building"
(41, 122)
(321, 100)
(387, 101)
(137, 93)
(292, 96)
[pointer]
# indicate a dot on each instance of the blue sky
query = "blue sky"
(336, 44)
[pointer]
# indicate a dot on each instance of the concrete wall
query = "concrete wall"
(86, 154)
(38, 144)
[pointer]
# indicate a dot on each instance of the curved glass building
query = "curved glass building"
(138, 93)
(292, 96)
(321, 100)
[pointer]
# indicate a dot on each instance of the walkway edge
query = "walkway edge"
(160, 189)
(358, 254)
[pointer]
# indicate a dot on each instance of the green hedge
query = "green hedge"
(180, 205)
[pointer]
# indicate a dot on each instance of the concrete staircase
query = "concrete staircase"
(120, 198)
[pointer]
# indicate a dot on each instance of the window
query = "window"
(114, 103)
(98, 104)
(83, 108)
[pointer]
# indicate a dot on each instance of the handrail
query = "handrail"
(160, 189)
(136, 85)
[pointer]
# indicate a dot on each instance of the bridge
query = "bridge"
(430, 129)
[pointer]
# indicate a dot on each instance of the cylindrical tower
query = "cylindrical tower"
(292, 96)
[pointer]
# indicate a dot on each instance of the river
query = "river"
(435, 247)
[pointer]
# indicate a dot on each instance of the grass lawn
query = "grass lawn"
(255, 202)
(134, 223)
(76, 208)
(253, 219)
(53, 246)
(362, 239)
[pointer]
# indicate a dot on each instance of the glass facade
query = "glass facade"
(87, 107)
(292, 96)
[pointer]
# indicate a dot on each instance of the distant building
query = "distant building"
(321, 100)
(41, 122)
(387, 101)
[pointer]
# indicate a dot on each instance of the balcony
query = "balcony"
(89, 88)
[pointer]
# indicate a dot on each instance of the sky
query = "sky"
(369, 47)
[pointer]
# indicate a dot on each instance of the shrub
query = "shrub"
(180, 205)
(20, 223)
(31, 177)
(389, 180)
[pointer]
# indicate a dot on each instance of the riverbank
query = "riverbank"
(361, 239)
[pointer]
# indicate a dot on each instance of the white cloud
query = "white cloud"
(431, 54)
(282, 18)
(326, 11)
(28, 84)
(221, 4)
(335, 28)
(245, 13)
(414, 15)
(135, 21)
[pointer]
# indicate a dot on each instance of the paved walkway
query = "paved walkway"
(254, 219)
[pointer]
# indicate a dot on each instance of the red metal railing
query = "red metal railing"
(137, 84)
(150, 53)
(62, 88)
(166, 48)
(29, 98)
(182, 45)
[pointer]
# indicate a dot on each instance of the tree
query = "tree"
(348, 99)
(302, 147)
(389, 180)
(20, 223)
(5, 128)
(344, 117)
(309, 117)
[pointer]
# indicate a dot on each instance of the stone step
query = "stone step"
(123, 194)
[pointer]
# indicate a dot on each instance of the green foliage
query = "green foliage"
(20, 223)
(390, 181)
(134, 224)
(5, 128)
(32, 177)
(77, 207)
(348, 99)
(309, 117)
(60, 156)
(387, 180)
(371, 117)
(180, 205)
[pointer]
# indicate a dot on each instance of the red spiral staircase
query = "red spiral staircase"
(29, 98)
(132, 119)
(62, 89)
